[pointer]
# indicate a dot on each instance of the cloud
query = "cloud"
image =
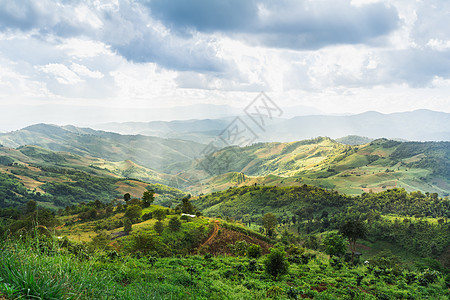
(416, 67)
(175, 50)
(62, 73)
(286, 24)
(126, 27)
(83, 71)
(206, 16)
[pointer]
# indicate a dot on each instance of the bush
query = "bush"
(127, 225)
(295, 250)
(335, 244)
(254, 251)
(160, 214)
(174, 224)
(276, 263)
(239, 248)
(147, 216)
(159, 227)
(133, 213)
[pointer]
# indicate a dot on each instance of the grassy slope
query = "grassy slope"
(34, 168)
(377, 166)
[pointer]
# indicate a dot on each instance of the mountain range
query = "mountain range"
(353, 164)
(151, 152)
(418, 125)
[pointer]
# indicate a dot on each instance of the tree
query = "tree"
(276, 263)
(126, 197)
(148, 198)
(269, 222)
(31, 207)
(186, 206)
(127, 225)
(353, 230)
(120, 208)
(133, 213)
(147, 243)
(335, 244)
(159, 214)
(159, 227)
(174, 224)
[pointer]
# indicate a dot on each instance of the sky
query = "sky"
(94, 61)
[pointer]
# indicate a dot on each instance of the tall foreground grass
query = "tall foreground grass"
(33, 269)
(37, 268)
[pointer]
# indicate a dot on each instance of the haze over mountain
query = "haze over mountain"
(152, 152)
(418, 125)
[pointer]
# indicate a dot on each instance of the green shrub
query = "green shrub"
(174, 224)
(254, 251)
(127, 225)
(276, 263)
(239, 248)
(159, 227)
(335, 244)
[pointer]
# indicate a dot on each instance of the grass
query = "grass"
(36, 269)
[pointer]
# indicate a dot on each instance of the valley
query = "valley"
(97, 206)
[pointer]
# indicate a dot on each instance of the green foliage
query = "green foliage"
(276, 263)
(6, 160)
(26, 271)
(385, 259)
(254, 251)
(353, 229)
(269, 221)
(101, 240)
(159, 214)
(239, 248)
(186, 206)
(174, 224)
(133, 213)
(148, 198)
(126, 197)
(127, 225)
(335, 244)
(159, 227)
(145, 243)
(245, 230)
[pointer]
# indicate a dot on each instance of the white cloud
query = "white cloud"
(61, 73)
(82, 48)
(122, 53)
(439, 45)
(85, 72)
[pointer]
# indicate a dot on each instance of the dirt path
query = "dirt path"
(213, 235)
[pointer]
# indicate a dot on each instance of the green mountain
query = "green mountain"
(377, 166)
(152, 152)
(354, 140)
(58, 179)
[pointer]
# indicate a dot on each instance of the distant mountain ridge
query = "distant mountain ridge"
(418, 125)
(152, 152)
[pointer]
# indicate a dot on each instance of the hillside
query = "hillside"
(323, 162)
(376, 166)
(152, 152)
(354, 140)
(58, 179)
(172, 256)
(412, 222)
